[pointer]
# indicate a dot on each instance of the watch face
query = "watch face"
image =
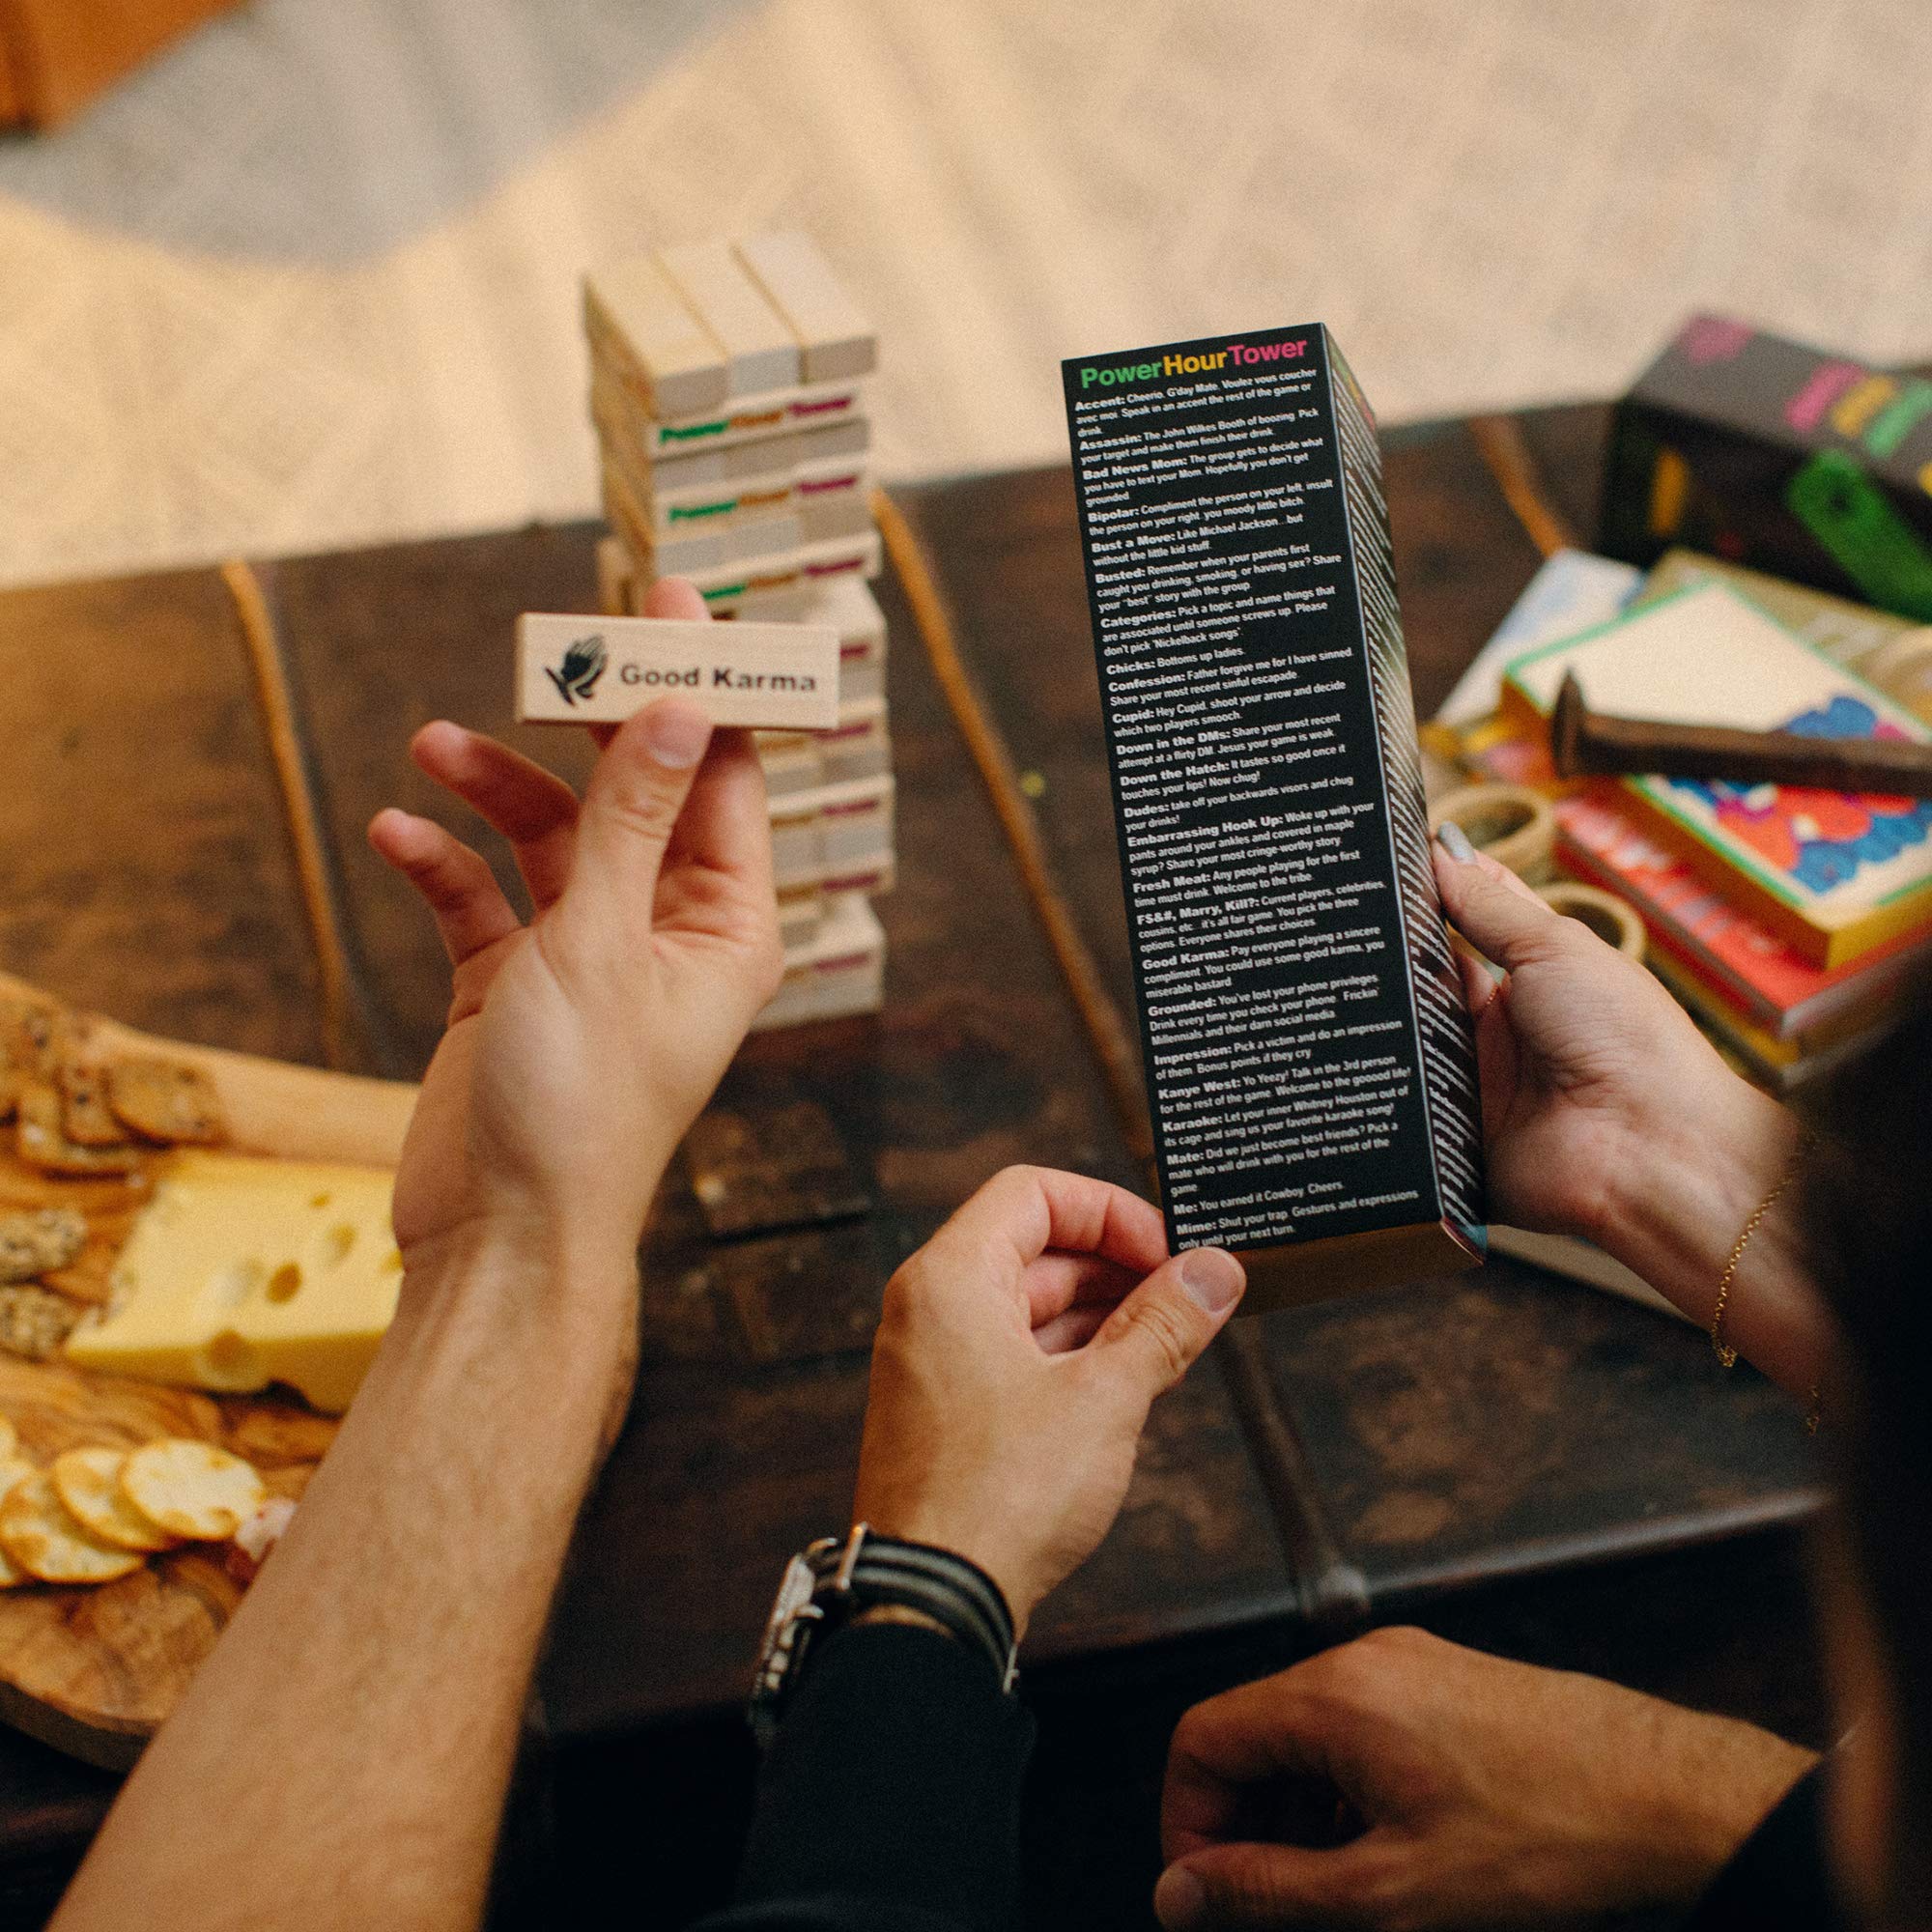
(794, 1592)
(791, 1606)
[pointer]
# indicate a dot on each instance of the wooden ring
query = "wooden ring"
(1612, 919)
(1513, 824)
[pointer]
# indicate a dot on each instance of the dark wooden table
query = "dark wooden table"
(1517, 1458)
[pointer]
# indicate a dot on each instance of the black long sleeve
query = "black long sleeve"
(1778, 1881)
(891, 1799)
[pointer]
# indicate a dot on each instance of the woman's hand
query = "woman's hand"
(582, 1046)
(1606, 1114)
(1404, 1782)
(1587, 1064)
(1018, 1358)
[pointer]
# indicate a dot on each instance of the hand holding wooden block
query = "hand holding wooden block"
(598, 670)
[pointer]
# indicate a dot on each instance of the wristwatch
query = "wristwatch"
(829, 1581)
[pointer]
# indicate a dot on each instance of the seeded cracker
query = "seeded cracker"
(37, 1037)
(39, 1241)
(85, 1116)
(41, 1136)
(35, 1321)
(166, 1100)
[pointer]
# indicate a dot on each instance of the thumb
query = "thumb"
(630, 807)
(1489, 906)
(1153, 1338)
(1257, 1887)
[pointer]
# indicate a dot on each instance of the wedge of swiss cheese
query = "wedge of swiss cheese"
(243, 1271)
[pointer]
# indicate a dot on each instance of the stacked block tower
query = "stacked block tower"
(728, 390)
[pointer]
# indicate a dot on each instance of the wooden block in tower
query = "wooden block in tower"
(598, 670)
(616, 578)
(634, 317)
(760, 350)
(837, 340)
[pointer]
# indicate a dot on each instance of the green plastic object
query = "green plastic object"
(1847, 512)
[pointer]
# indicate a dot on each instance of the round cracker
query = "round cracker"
(10, 1440)
(88, 1481)
(41, 1536)
(192, 1489)
(14, 1470)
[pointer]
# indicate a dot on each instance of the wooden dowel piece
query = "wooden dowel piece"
(1587, 744)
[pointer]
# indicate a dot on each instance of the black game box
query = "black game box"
(1308, 1054)
(1790, 459)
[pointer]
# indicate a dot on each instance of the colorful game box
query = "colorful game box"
(1837, 874)
(1766, 979)
(1309, 1063)
(1783, 458)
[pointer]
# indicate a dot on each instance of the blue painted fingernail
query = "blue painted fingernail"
(1455, 841)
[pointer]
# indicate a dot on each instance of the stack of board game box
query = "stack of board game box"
(1786, 921)
(728, 391)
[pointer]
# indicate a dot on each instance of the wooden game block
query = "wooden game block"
(747, 418)
(616, 578)
(837, 340)
(821, 510)
(848, 606)
(762, 353)
(846, 602)
(838, 971)
(800, 916)
(833, 442)
(791, 763)
(639, 324)
(837, 836)
(858, 747)
(829, 515)
(861, 555)
(842, 477)
(861, 670)
(717, 544)
(688, 553)
(577, 670)
(718, 472)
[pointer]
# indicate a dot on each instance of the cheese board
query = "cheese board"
(93, 1670)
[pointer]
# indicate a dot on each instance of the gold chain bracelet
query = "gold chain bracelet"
(1725, 1354)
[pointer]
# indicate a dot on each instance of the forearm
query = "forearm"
(891, 1801)
(341, 1760)
(1681, 1198)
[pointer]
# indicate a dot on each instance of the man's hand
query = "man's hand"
(343, 1754)
(1448, 1789)
(582, 1046)
(1018, 1354)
